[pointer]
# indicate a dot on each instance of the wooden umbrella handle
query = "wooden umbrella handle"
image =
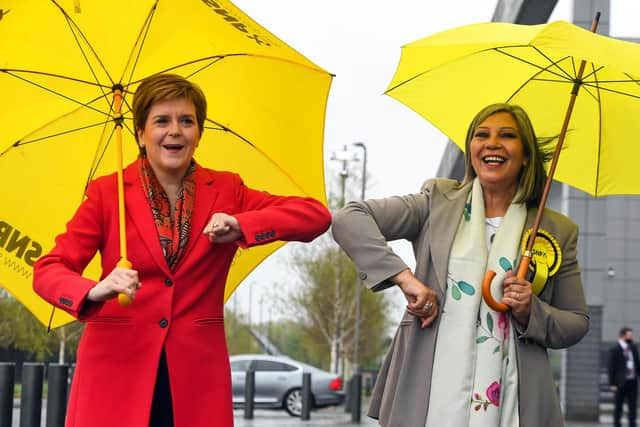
(486, 285)
(486, 293)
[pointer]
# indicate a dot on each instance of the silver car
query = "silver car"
(278, 383)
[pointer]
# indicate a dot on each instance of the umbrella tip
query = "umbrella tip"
(596, 21)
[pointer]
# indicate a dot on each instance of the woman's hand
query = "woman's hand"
(223, 228)
(421, 300)
(119, 281)
(517, 295)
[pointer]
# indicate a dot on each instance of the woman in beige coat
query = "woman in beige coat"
(454, 361)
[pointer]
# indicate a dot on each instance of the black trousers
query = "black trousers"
(629, 393)
(161, 408)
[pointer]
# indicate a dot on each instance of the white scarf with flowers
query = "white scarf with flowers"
(474, 381)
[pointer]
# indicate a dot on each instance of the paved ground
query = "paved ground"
(325, 417)
(337, 417)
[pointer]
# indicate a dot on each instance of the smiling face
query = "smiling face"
(497, 153)
(170, 137)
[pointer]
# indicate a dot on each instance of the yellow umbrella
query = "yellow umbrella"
(68, 70)
(573, 83)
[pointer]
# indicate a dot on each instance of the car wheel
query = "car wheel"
(293, 402)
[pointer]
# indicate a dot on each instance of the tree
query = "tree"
(326, 306)
(239, 339)
(20, 330)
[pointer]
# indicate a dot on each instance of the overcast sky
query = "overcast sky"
(359, 42)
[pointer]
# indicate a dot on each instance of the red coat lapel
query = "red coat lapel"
(205, 197)
(139, 214)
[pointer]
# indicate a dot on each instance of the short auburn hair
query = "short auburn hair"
(166, 87)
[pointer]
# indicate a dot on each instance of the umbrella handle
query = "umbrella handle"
(486, 293)
(486, 285)
(123, 299)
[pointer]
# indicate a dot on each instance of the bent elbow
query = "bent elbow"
(572, 335)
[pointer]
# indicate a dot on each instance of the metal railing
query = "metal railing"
(31, 394)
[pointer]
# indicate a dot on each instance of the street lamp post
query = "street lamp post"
(343, 156)
(357, 377)
(355, 384)
(356, 345)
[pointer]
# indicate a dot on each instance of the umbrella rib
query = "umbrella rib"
(562, 74)
(98, 158)
(619, 92)
(12, 72)
(599, 101)
(215, 60)
(265, 155)
(139, 44)
(499, 49)
(533, 77)
(53, 135)
(629, 80)
(593, 71)
(75, 31)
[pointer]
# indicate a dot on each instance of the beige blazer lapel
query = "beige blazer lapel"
(445, 215)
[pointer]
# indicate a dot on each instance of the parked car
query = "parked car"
(278, 383)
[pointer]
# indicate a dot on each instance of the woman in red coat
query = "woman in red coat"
(163, 361)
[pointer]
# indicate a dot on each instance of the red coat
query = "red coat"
(182, 311)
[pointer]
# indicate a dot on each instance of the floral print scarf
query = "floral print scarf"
(474, 381)
(173, 230)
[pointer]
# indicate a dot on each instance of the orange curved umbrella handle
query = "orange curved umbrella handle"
(486, 293)
(123, 299)
(486, 285)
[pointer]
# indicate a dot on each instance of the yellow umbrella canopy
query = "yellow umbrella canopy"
(60, 64)
(448, 77)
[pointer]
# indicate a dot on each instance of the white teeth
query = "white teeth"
(489, 159)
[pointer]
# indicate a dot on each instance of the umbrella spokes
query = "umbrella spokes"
(262, 153)
(91, 57)
(525, 261)
(266, 103)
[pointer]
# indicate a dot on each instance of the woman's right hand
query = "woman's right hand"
(119, 281)
(421, 301)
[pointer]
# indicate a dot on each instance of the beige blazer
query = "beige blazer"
(559, 316)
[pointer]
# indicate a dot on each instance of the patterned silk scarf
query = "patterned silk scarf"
(173, 230)
(474, 380)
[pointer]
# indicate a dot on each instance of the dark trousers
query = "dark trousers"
(161, 408)
(628, 392)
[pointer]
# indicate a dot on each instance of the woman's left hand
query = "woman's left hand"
(517, 295)
(223, 228)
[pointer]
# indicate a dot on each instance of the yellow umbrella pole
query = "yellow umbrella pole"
(123, 299)
(526, 257)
